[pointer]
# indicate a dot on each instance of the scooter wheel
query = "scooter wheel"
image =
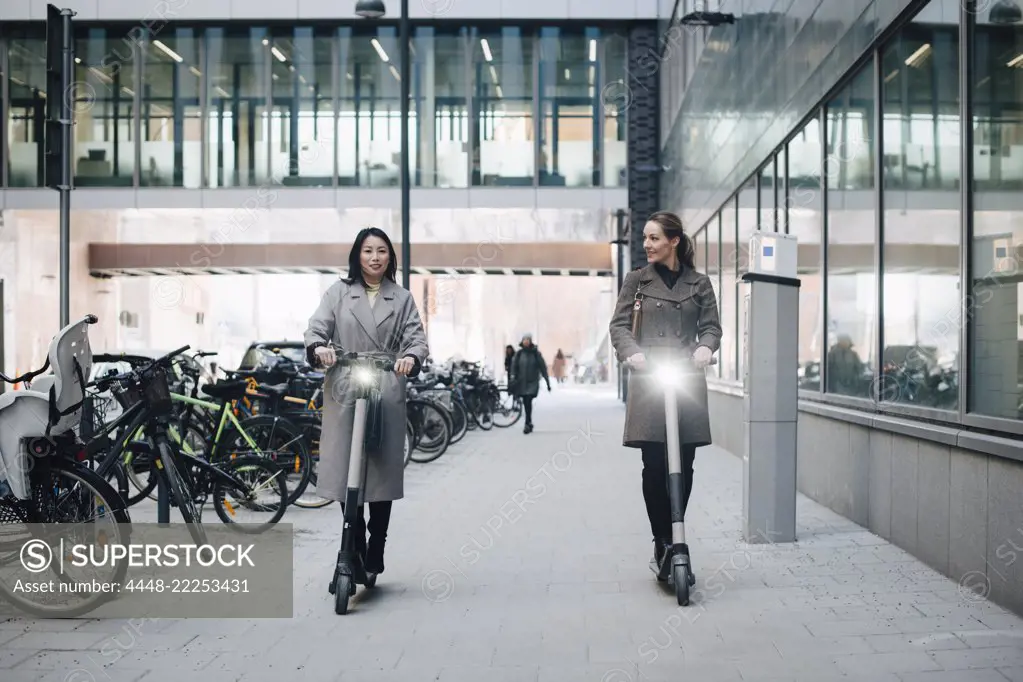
(681, 579)
(342, 591)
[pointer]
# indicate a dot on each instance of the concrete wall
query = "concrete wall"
(954, 508)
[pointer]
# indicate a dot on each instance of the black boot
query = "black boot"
(375, 555)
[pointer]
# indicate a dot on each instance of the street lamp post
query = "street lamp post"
(374, 9)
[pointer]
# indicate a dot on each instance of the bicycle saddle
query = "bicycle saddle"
(226, 390)
(276, 389)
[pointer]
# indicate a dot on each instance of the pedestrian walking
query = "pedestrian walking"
(527, 366)
(558, 369)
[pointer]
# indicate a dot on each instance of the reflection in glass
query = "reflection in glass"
(568, 99)
(919, 364)
(996, 302)
(104, 146)
(302, 121)
(502, 86)
(849, 168)
(237, 61)
(711, 247)
(805, 223)
(439, 90)
(748, 223)
(614, 101)
(768, 219)
(171, 119)
(26, 123)
(729, 292)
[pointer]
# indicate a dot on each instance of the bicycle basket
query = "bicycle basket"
(156, 389)
(127, 393)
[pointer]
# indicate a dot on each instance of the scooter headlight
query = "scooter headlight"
(668, 375)
(363, 375)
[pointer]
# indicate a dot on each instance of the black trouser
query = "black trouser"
(655, 486)
(379, 520)
(527, 404)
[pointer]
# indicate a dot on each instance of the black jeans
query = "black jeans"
(527, 405)
(379, 520)
(655, 486)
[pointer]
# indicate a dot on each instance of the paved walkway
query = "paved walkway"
(524, 559)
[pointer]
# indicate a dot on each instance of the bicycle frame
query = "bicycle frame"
(226, 416)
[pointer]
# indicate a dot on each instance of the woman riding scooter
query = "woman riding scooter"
(667, 311)
(367, 313)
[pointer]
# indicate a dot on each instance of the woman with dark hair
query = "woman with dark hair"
(366, 312)
(509, 353)
(669, 310)
(527, 367)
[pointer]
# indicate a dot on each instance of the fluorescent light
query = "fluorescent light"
(380, 50)
(1017, 62)
(919, 55)
(301, 78)
(394, 72)
(277, 53)
(221, 91)
(892, 76)
(593, 50)
(500, 93)
(78, 60)
(266, 41)
(350, 76)
(568, 75)
(487, 54)
(102, 76)
(593, 92)
(128, 91)
(493, 73)
(169, 52)
(195, 72)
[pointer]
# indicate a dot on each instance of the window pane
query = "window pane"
(104, 146)
(729, 260)
(171, 120)
(615, 100)
(712, 242)
(237, 60)
(26, 55)
(502, 77)
(302, 120)
(921, 240)
(805, 223)
(440, 92)
(852, 317)
(996, 303)
(748, 224)
(568, 99)
(767, 202)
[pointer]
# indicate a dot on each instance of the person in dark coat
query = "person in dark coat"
(509, 353)
(678, 319)
(527, 366)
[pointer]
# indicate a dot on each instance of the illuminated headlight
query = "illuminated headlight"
(668, 375)
(363, 375)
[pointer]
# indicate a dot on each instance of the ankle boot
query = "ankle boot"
(375, 555)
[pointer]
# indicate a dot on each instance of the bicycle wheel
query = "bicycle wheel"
(410, 440)
(309, 499)
(508, 411)
(70, 493)
(260, 488)
(434, 430)
(484, 415)
(459, 421)
(181, 492)
(280, 441)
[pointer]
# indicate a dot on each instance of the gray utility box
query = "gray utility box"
(770, 411)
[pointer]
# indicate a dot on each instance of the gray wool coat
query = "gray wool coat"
(392, 327)
(674, 322)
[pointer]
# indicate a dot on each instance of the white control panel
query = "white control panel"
(773, 253)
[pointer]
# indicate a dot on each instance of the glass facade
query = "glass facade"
(898, 284)
(319, 106)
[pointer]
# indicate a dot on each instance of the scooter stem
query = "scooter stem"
(676, 485)
(356, 459)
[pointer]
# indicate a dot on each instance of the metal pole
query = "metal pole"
(406, 77)
(67, 124)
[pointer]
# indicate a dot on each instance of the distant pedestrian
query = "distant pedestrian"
(509, 353)
(527, 367)
(558, 370)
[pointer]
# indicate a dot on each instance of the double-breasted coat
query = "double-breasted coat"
(673, 323)
(390, 327)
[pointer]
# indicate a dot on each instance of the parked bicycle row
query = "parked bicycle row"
(99, 434)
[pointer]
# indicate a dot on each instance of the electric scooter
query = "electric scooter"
(365, 373)
(675, 565)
